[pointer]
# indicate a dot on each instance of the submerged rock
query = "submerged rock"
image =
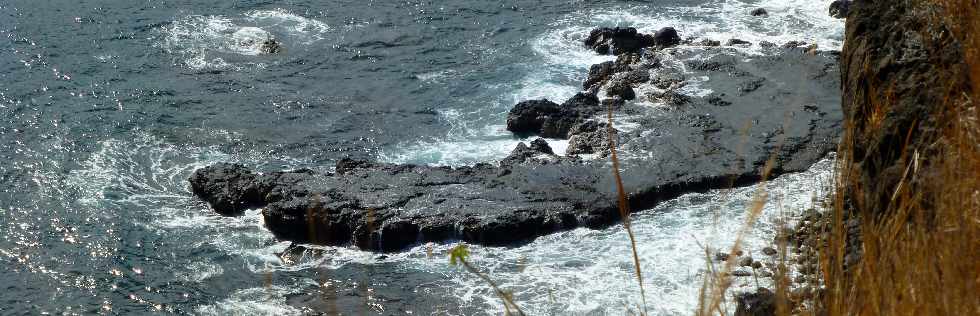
(270, 46)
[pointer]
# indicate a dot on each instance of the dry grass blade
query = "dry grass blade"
(624, 208)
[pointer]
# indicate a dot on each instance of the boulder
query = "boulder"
(762, 302)
(589, 137)
(621, 89)
(547, 119)
(618, 40)
(666, 37)
(527, 117)
(227, 187)
(540, 145)
(839, 8)
(759, 12)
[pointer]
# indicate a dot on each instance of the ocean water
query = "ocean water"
(108, 106)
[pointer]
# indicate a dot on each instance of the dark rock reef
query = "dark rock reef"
(780, 110)
(623, 40)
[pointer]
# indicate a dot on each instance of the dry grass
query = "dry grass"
(921, 249)
(923, 256)
(624, 208)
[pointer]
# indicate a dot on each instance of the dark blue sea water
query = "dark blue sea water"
(106, 107)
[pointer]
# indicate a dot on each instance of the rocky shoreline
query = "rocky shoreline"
(702, 118)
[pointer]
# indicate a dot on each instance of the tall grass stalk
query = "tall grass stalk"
(624, 208)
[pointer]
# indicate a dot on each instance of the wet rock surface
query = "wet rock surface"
(839, 8)
(625, 40)
(781, 109)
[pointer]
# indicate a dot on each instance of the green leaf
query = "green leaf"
(460, 252)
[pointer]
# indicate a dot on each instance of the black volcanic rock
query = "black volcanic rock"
(618, 40)
(590, 137)
(228, 188)
(666, 37)
(540, 145)
(735, 41)
(762, 302)
(622, 90)
(547, 119)
(527, 117)
(626, 40)
(759, 12)
(839, 8)
(667, 151)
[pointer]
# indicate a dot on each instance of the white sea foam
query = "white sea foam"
(586, 271)
(199, 271)
(254, 301)
(148, 175)
(216, 42)
(561, 62)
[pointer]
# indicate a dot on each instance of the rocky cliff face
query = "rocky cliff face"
(900, 65)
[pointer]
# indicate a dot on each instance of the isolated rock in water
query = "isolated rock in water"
(590, 137)
(840, 8)
(735, 41)
(759, 12)
(270, 46)
(527, 117)
(760, 303)
(666, 37)
(619, 40)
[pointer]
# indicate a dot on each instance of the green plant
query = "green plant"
(458, 256)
